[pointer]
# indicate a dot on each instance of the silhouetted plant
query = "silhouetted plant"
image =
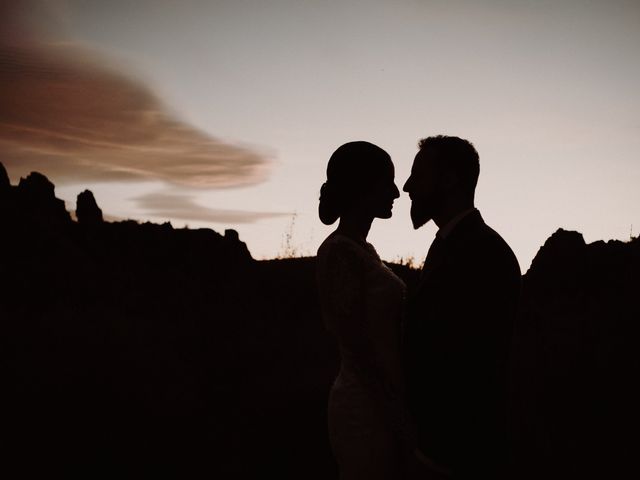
(408, 261)
(288, 248)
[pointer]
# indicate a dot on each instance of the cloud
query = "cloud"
(183, 207)
(68, 115)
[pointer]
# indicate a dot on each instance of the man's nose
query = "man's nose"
(405, 187)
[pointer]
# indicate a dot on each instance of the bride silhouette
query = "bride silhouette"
(362, 302)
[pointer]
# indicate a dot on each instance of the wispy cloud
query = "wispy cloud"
(184, 207)
(69, 116)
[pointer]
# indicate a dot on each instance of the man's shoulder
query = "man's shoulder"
(485, 246)
(496, 249)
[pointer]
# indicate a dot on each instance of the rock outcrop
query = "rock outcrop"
(36, 201)
(575, 357)
(87, 210)
(5, 185)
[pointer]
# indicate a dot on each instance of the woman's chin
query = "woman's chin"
(385, 214)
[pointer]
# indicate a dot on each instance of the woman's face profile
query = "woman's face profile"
(383, 192)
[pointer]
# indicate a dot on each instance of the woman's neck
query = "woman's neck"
(355, 227)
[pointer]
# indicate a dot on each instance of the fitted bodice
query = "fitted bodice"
(362, 303)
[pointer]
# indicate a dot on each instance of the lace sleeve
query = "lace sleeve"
(341, 285)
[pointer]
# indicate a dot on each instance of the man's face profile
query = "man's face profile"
(423, 187)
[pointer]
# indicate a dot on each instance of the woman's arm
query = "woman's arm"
(341, 289)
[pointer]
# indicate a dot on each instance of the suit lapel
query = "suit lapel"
(442, 248)
(435, 258)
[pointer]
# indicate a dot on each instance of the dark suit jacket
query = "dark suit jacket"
(457, 337)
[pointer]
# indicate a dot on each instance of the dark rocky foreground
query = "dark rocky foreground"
(136, 349)
(576, 361)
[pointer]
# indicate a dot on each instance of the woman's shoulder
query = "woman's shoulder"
(337, 243)
(341, 249)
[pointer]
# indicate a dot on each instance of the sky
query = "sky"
(223, 114)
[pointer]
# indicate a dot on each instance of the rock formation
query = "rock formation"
(37, 202)
(5, 185)
(87, 210)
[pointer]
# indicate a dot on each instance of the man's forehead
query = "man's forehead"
(424, 158)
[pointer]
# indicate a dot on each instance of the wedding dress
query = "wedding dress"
(362, 302)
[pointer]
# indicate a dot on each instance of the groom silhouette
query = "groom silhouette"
(460, 318)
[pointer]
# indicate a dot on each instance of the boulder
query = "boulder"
(36, 195)
(37, 187)
(87, 210)
(5, 185)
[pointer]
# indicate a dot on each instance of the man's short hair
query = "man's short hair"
(458, 154)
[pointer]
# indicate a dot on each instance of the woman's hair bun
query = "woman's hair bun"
(329, 209)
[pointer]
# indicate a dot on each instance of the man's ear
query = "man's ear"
(449, 180)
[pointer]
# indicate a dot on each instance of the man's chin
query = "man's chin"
(418, 224)
(419, 220)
